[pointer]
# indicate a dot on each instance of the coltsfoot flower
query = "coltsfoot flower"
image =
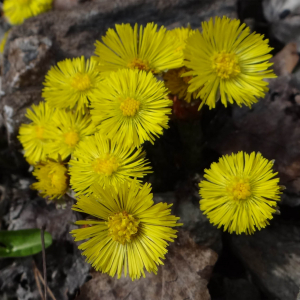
(35, 137)
(71, 83)
(70, 129)
(53, 180)
(131, 106)
(240, 192)
(139, 48)
(129, 233)
(101, 161)
(173, 79)
(16, 11)
(227, 62)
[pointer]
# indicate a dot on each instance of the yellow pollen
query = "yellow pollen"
(240, 189)
(184, 79)
(39, 132)
(81, 82)
(106, 165)
(226, 65)
(71, 138)
(122, 227)
(129, 107)
(140, 64)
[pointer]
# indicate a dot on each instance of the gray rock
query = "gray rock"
(273, 257)
(284, 18)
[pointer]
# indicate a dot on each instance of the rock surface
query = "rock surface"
(273, 257)
(185, 274)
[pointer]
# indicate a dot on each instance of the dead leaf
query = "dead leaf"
(286, 60)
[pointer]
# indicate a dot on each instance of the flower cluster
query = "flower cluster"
(88, 136)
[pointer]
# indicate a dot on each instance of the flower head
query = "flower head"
(227, 62)
(139, 48)
(129, 232)
(180, 36)
(17, 11)
(132, 107)
(36, 136)
(52, 177)
(71, 83)
(71, 128)
(179, 85)
(240, 192)
(101, 161)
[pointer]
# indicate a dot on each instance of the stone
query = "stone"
(272, 256)
(284, 19)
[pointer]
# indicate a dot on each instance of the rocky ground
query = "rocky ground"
(204, 263)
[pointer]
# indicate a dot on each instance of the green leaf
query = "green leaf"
(22, 242)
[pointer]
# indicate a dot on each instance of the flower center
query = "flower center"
(129, 107)
(71, 138)
(240, 189)
(39, 132)
(81, 82)
(58, 178)
(226, 65)
(122, 227)
(106, 165)
(140, 64)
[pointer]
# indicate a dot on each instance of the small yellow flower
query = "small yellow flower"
(71, 83)
(100, 161)
(179, 85)
(129, 233)
(173, 79)
(36, 136)
(137, 48)
(240, 192)
(70, 129)
(52, 179)
(17, 11)
(132, 107)
(227, 62)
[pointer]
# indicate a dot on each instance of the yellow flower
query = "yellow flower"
(173, 79)
(240, 192)
(129, 231)
(17, 11)
(71, 83)
(180, 36)
(52, 179)
(178, 85)
(71, 128)
(36, 136)
(98, 160)
(132, 107)
(228, 63)
(137, 48)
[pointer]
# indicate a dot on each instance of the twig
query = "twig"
(42, 280)
(44, 261)
(35, 273)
